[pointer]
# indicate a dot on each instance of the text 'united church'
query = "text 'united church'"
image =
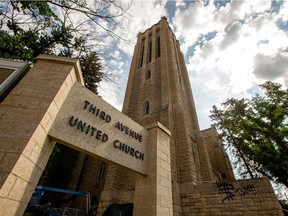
(101, 135)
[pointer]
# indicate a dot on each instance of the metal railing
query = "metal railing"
(69, 212)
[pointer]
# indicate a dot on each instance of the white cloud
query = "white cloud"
(108, 92)
(193, 22)
(283, 11)
(271, 67)
(231, 35)
(142, 15)
(180, 3)
(252, 7)
(245, 46)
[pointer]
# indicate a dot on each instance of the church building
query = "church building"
(152, 156)
(158, 90)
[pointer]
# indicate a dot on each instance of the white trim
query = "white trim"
(19, 68)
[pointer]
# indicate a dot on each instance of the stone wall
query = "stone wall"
(238, 198)
(153, 193)
(170, 99)
(218, 157)
(26, 115)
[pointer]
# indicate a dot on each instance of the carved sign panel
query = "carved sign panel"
(89, 124)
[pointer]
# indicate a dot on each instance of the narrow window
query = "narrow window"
(149, 49)
(146, 108)
(158, 44)
(148, 74)
(101, 172)
(180, 80)
(141, 54)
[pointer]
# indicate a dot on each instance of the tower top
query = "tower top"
(163, 19)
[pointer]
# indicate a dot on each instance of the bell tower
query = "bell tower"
(158, 89)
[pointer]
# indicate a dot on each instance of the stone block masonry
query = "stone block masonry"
(153, 193)
(29, 131)
(195, 156)
(26, 116)
(249, 197)
(173, 157)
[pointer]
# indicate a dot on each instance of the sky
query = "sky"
(230, 47)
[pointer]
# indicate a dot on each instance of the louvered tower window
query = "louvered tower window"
(149, 49)
(146, 108)
(101, 172)
(158, 52)
(141, 54)
(148, 74)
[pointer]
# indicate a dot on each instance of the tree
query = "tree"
(256, 130)
(66, 28)
(91, 68)
(29, 28)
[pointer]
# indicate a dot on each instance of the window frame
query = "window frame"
(146, 108)
(101, 171)
(149, 59)
(148, 74)
(18, 68)
(141, 59)
(158, 45)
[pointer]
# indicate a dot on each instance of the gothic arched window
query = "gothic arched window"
(101, 171)
(146, 108)
(148, 74)
(149, 49)
(158, 44)
(141, 54)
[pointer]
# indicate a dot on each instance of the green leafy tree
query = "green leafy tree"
(257, 131)
(92, 70)
(30, 28)
(66, 28)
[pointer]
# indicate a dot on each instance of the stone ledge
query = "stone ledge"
(64, 60)
(158, 124)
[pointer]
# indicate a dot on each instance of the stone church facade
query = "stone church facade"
(158, 89)
(189, 173)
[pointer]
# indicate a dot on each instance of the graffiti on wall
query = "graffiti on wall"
(230, 191)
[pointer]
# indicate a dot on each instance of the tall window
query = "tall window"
(158, 44)
(146, 108)
(141, 54)
(148, 74)
(149, 49)
(101, 172)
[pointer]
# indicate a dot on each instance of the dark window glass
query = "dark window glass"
(141, 54)
(149, 49)
(146, 108)
(158, 52)
(148, 74)
(101, 172)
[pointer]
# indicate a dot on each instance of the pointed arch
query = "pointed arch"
(158, 44)
(146, 108)
(141, 53)
(149, 59)
(148, 74)
(101, 171)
